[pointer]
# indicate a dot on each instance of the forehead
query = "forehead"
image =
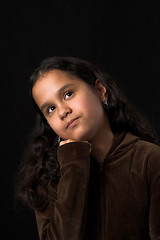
(56, 77)
(52, 82)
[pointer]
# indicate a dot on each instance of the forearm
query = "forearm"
(68, 214)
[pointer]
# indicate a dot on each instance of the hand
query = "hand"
(72, 140)
(66, 141)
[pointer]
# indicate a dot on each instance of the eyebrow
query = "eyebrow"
(58, 93)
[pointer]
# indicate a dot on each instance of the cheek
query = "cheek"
(57, 127)
(54, 125)
(91, 106)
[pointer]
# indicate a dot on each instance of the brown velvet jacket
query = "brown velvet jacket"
(118, 199)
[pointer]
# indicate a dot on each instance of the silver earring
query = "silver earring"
(105, 102)
(58, 139)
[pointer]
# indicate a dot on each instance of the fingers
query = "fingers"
(72, 140)
(66, 141)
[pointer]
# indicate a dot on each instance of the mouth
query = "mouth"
(72, 123)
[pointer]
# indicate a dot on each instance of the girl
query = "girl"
(102, 180)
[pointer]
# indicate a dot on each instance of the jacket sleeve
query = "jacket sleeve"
(66, 214)
(154, 184)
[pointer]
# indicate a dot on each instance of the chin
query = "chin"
(84, 137)
(81, 135)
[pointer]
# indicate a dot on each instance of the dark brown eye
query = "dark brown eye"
(68, 94)
(51, 109)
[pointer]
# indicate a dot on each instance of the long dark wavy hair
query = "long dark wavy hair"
(40, 167)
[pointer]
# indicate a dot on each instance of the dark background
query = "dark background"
(123, 37)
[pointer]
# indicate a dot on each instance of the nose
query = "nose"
(64, 111)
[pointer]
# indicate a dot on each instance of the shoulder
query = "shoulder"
(150, 155)
(144, 155)
(150, 150)
(136, 147)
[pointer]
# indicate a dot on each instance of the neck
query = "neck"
(103, 142)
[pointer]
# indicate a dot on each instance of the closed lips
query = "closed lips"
(70, 122)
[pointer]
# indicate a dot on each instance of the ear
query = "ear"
(101, 90)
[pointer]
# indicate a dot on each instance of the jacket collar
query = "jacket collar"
(121, 141)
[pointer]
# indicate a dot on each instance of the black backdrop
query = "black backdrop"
(123, 37)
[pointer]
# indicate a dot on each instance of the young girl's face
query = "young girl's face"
(72, 108)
